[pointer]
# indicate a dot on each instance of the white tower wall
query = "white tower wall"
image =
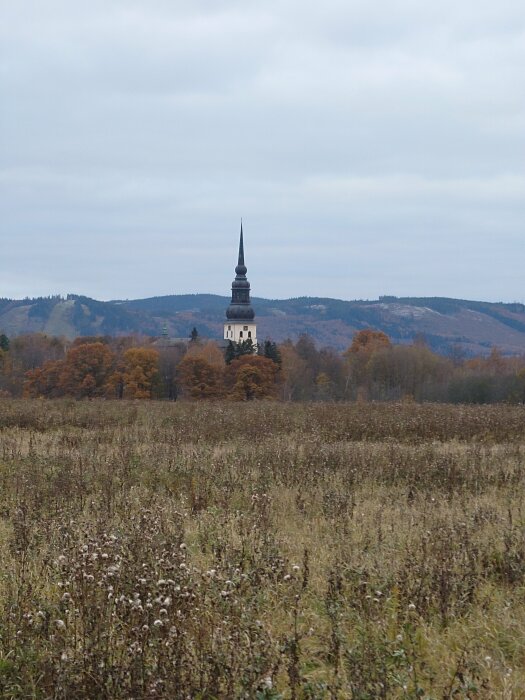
(238, 331)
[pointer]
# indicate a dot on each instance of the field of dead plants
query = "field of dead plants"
(261, 550)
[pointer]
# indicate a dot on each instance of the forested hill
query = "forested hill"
(444, 323)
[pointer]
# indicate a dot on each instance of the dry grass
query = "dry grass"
(261, 551)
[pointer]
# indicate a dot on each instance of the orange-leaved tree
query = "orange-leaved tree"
(139, 373)
(252, 377)
(199, 379)
(44, 381)
(368, 341)
(86, 370)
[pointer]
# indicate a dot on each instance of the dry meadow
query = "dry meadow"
(261, 550)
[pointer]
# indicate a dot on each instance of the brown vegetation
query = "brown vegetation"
(261, 550)
(372, 368)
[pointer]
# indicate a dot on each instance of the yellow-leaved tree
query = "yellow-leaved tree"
(139, 377)
(252, 377)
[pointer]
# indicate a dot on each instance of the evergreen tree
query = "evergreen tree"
(235, 350)
(271, 351)
(4, 342)
(194, 335)
(229, 354)
(246, 347)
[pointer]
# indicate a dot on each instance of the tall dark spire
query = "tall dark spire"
(241, 268)
(241, 248)
(240, 308)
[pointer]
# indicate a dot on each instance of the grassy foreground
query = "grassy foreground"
(220, 550)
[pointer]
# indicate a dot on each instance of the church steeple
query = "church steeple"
(240, 325)
(240, 308)
(240, 262)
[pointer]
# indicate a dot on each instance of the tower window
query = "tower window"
(229, 328)
(245, 328)
(240, 334)
(249, 334)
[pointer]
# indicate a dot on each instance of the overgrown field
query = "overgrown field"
(261, 550)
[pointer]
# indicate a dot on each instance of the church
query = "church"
(240, 325)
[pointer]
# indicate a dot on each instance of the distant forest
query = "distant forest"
(371, 368)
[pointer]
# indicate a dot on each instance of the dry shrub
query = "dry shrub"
(261, 551)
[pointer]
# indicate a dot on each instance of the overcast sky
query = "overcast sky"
(371, 147)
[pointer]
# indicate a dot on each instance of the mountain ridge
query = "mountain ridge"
(475, 326)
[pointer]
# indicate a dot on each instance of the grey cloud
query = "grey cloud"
(384, 137)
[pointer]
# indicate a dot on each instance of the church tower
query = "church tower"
(240, 325)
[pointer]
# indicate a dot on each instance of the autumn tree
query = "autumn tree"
(88, 339)
(252, 377)
(208, 351)
(364, 344)
(308, 373)
(140, 374)
(368, 341)
(45, 381)
(199, 379)
(25, 353)
(86, 370)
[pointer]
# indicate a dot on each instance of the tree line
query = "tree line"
(372, 368)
